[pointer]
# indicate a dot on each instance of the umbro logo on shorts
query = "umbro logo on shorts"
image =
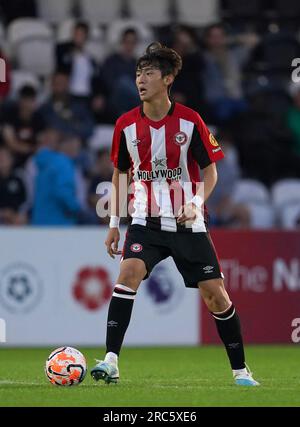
(208, 269)
(136, 247)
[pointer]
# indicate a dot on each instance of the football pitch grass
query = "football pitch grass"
(168, 376)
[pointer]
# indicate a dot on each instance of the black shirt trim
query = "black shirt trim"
(198, 150)
(123, 156)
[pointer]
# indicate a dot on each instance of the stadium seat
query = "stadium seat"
(197, 12)
(251, 191)
(102, 137)
(261, 215)
(154, 12)
(54, 11)
(289, 217)
(257, 198)
(20, 78)
(116, 28)
(100, 11)
(96, 44)
(64, 30)
(285, 192)
(31, 45)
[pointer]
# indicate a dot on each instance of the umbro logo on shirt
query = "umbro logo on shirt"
(208, 269)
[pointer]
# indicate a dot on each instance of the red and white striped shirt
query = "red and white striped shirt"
(164, 157)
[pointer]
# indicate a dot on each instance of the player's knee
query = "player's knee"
(216, 303)
(130, 277)
(216, 297)
(132, 273)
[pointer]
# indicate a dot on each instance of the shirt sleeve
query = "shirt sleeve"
(205, 148)
(119, 152)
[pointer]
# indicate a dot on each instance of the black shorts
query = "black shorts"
(193, 253)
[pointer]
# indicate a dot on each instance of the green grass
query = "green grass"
(173, 376)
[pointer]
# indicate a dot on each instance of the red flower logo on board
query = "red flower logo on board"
(92, 287)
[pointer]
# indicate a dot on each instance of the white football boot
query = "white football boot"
(106, 370)
(244, 377)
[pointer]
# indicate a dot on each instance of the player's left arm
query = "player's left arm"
(210, 178)
(189, 211)
(120, 181)
(206, 151)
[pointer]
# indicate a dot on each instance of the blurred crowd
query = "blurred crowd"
(55, 129)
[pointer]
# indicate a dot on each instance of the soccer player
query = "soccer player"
(160, 146)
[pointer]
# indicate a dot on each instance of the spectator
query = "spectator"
(86, 82)
(118, 72)
(65, 114)
(72, 147)
(223, 210)
(12, 192)
(222, 77)
(49, 138)
(293, 117)
(73, 59)
(55, 201)
(21, 124)
(188, 85)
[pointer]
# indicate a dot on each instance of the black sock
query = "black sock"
(118, 319)
(229, 328)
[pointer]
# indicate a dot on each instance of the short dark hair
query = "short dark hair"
(164, 58)
(214, 26)
(82, 25)
(185, 29)
(127, 32)
(27, 91)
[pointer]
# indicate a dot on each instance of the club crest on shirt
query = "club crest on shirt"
(213, 140)
(180, 138)
(136, 247)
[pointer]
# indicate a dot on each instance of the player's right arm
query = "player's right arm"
(120, 181)
(118, 209)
